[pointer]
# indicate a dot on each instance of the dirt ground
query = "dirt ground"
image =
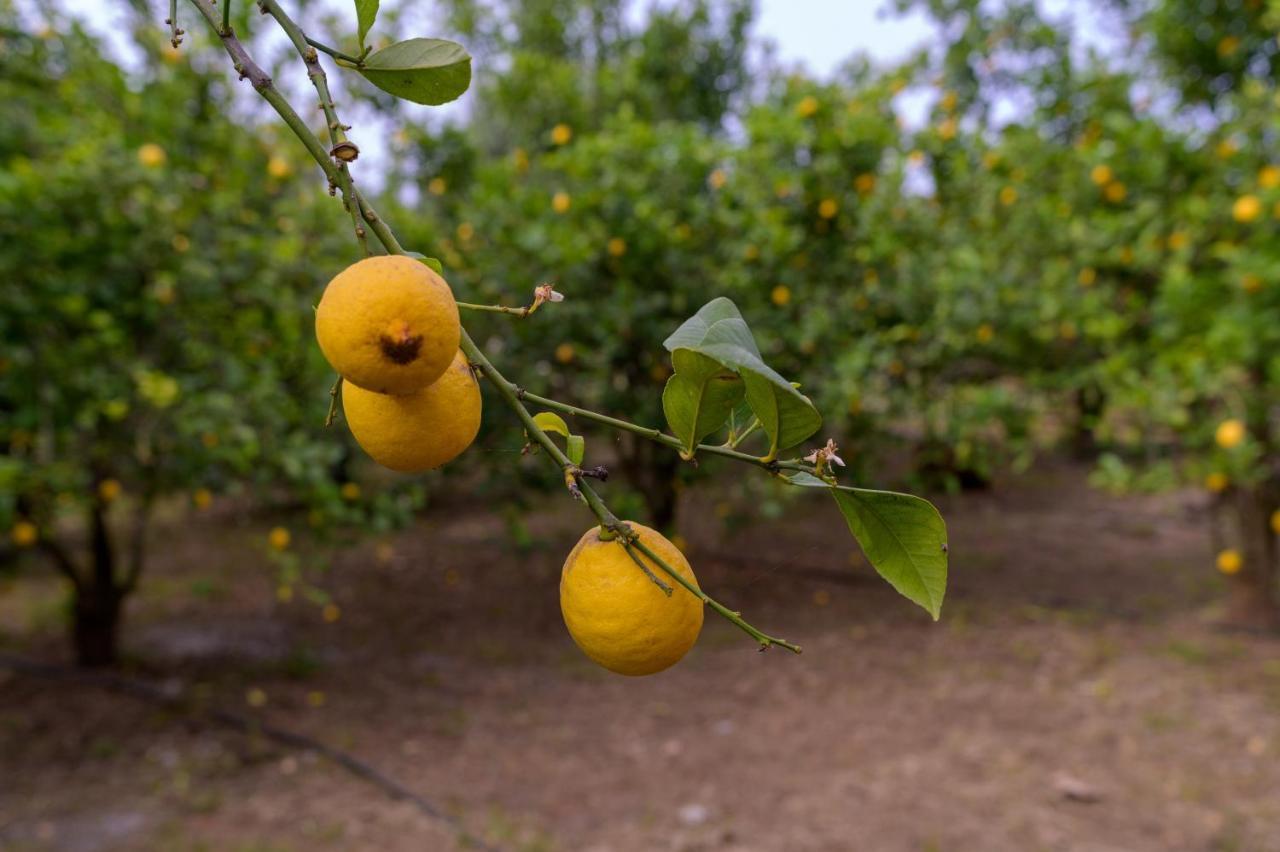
(1075, 696)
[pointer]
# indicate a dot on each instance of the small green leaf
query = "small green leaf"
(903, 537)
(575, 446)
(432, 262)
(366, 13)
(699, 397)
(428, 71)
(719, 332)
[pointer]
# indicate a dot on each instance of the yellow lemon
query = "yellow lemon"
(565, 353)
(1246, 208)
(152, 155)
(828, 208)
(1250, 282)
(109, 489)
(1115, 191)
(561, 134)
(1101, 175)
(437, 186)
(350, 491)
(808, 106)
(780, 295)
(617, 247)
(1008, 195)
(1216, 482)
(388, 324)
(1269, 177)
(24, 534)
(617, 615)
(419, 431)
(202, 498)
(947, 129)
(561, 202)
(1275, 522)
(865, 183)
(985, 333)
(1230, 433)
(331, 613)
(1087, 276)
(1229, 562)
(279, 168)
(279, 538)
(717, 179)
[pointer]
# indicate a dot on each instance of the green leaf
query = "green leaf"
(575, 446)
(699, 397)
(903, 537)
(366, 13)
(719, 332)
(432, 262)
(428, 71)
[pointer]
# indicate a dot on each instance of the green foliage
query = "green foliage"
(161, 267)
(717, 335)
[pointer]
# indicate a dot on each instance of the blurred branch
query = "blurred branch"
(62, 560)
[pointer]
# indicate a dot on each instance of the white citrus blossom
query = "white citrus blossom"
(825, 456)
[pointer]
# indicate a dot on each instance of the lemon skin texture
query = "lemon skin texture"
(419, 431)
(617, 615)
(388, 324)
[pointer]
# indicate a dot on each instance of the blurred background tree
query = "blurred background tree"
(1015, 243)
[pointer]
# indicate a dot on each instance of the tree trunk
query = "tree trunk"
(1252, 601)
(1090, 402)
(99, 598)
(96, 628)
(653, 474)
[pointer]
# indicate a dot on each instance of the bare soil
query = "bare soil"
(1076, 695)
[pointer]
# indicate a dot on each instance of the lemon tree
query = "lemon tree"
(158, 261)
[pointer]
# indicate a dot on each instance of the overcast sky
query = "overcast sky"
(816, 33)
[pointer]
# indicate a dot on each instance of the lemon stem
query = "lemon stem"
(764, 639)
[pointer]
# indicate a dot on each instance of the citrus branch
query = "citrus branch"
(498, 309)
(341, 148)
(658, 436)
(247, 68)
(334, 52)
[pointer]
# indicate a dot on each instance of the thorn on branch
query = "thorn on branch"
(599, 472)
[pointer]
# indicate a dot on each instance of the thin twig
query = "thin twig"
(180, 702)
(333, 402)
(337, 130)
(334, 52)
(497, 309)
(660, 437)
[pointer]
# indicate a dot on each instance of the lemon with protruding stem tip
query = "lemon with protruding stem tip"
(388, 324)
(420, 431)
(618, 615)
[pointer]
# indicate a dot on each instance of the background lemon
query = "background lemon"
(420, 431)
(617, 615)
(388, 324)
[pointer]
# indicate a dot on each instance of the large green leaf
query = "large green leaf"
(366, 14)
(903, 537)
(719, 332)
(699, 397)
(423, 70)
